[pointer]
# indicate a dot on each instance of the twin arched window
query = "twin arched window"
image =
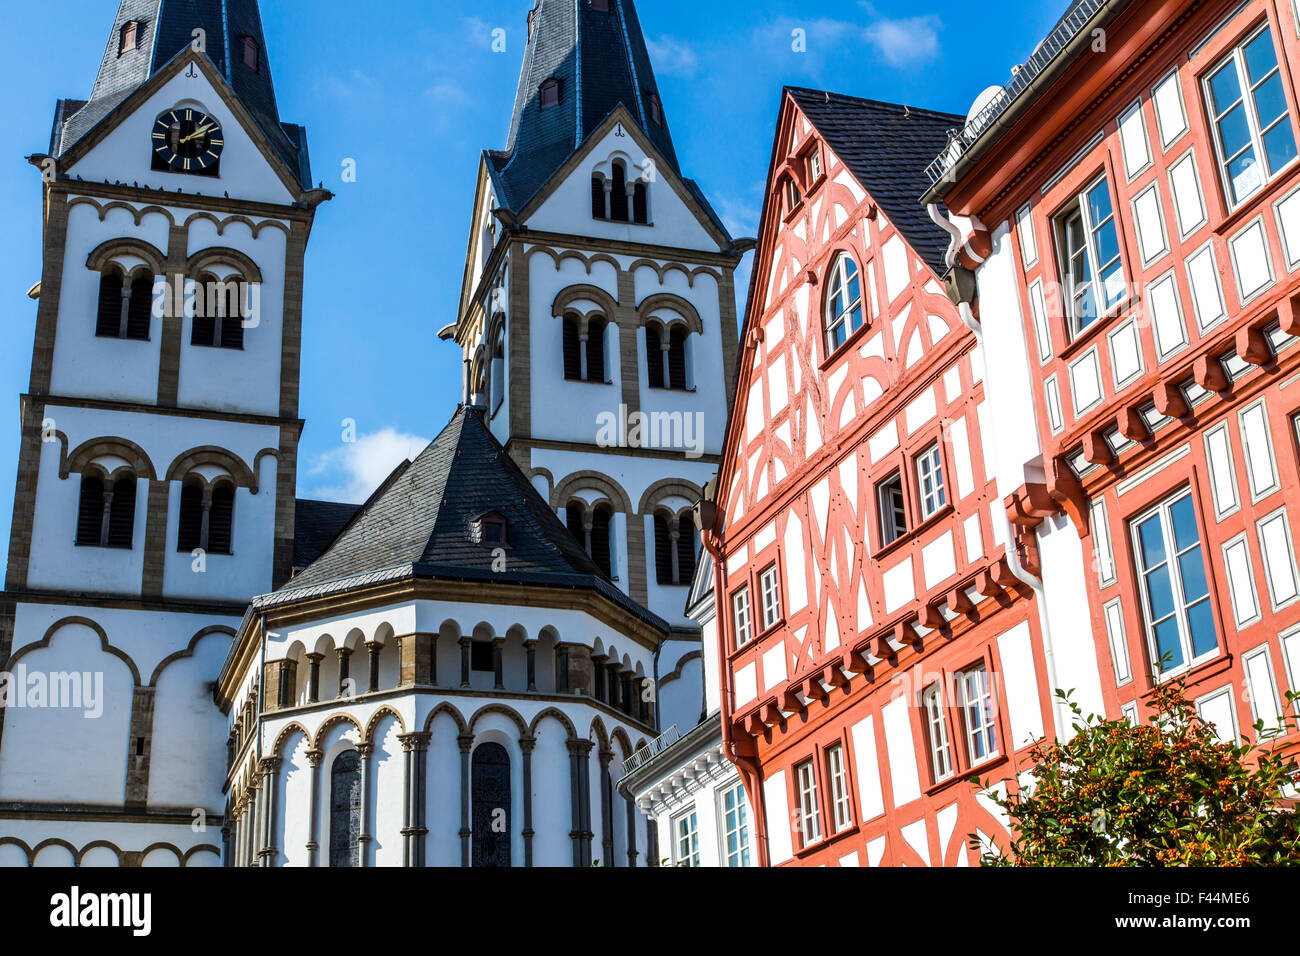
(590, 527)
(674, 547)
(584, 353)
(666, 356)
(844, 306)
(207, 516)
(125, 304)
(106, 517)
(615, 200)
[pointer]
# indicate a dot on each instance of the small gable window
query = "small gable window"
(814, 165)
(129, 38)
(489, 529)
(655, 108)
(252, 54)
(793, 195)
(550, 93)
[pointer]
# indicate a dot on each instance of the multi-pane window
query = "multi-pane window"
(686, 840)
(937, 725)
(814, 165)
(810, 814)
(1252, 125)
(893, 509)
(792, 194)
(1175, 590)
(977, 707)
(1091, 265)
(843, 302)
(770, 587)
(743, 618)
(838, 778)
(929, 476)
(735, 826)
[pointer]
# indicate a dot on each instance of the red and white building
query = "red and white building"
(879, 643)
(1130, 210)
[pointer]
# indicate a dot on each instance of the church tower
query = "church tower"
(597, 317)
(155, 490)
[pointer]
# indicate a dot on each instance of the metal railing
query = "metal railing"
(657, 746)
(959, 140)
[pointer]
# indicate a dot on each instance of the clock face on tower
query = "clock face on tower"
(187, 141)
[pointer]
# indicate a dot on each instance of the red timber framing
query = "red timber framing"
(1173, 416)
(877, 649)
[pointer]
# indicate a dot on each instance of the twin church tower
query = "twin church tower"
(201, 668)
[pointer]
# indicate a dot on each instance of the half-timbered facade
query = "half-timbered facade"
(1132, 228)
(879, 645)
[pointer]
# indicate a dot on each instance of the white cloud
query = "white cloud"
(907, 41)
(352, 472)
(673, 57)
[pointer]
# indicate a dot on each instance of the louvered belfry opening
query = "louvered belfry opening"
(686, 549)
(90, 515)
(572, 350)
(190, 536)
(663, 549)
(108, 321)
(140, 311)
(221, 518)
(677, 357)
(600, 518)
(598, 210)
(654, 356)
(618, 194)
(596, 350)
(121, 518)
(641, 204)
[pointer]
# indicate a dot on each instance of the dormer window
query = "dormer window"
(252, 54)
(129, 37)
(490, 529)
(655, 108)
(814, 165)
(793, 196)
(550, 93)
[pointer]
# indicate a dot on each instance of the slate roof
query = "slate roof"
(316, 525)
(422, 522)
(167, 29)
(601, 61)
(887, 148)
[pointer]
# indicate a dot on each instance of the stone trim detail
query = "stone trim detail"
(519, 333)
(155, 539)
(730, 334)
(104, 253)
(614, 492)
(291, 320)
(139, 747)
(286, 483)
(222, 255)
(638, 571)
(24, 516)
(85, 453)
(667, 300)
(575, 293)
(244, 476)
(666, 489)
(169, 356)
(629, 342)
(47, 313)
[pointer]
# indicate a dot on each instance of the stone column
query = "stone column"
(530, 646)
(270, 774)
(498, 648)
(561, 668)
(606, 810)
(465, 644)
(345, 655)
(584, 772)
(612, 680)
(526, 745)
(373, 650)
(575, 798)
(629, 700)
(598, 665)
(313, 677)
(631, 833)
(414, 748)
(313, 821)
(466, 741)
(363, 840)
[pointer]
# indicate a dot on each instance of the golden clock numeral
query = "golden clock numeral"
(217, 142)
(189, 114)
(187, 164)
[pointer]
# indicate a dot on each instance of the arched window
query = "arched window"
(596, 349)
(219, 312)
(572, 349)
(345, 810)
(124, 310)
(599, 203)
(106, 514)
(843, 302)
(549, 94)
(490, 788)
(641, 204)
(674, 547)
(666, 356)
(618, 194)
(575, 519)
(207, 517)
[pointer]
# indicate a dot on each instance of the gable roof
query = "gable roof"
(423, 520)
(601, 62)
(887, 148)
(166, 30)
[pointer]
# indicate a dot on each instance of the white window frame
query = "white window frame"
(769, 583)
(1271, 721)
(1187, 230)
(929, 468)
(810, 815)
(1134, 108)
(1117, 637)
(1242, 541)
(1225, 691)
(837, 778)
(1280, 515)
(1182, 110)
(840, 274)
(1264, 491)
(814, 157)
(692, 856)
(1026, 236)
(742, 830)
(1236, 57)
(890, 529)
(1154, 189)
(1163, 509)
(979, 713)
(942, 761)
(742, 616)
(1090, 229)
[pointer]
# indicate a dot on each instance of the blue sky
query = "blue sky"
(412, 91)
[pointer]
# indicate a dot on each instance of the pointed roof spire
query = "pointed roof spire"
(149, 34)
(595, 51)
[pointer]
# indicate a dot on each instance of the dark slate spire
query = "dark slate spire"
(600, 59)
(164, 29)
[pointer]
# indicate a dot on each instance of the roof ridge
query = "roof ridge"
(874, 102)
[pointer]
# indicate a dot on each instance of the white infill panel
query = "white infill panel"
(868, 767)
(1241, 582)
(1171, 120)
(1223, 479)
(1186, 188)
(1166, 315)
(900, 751)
